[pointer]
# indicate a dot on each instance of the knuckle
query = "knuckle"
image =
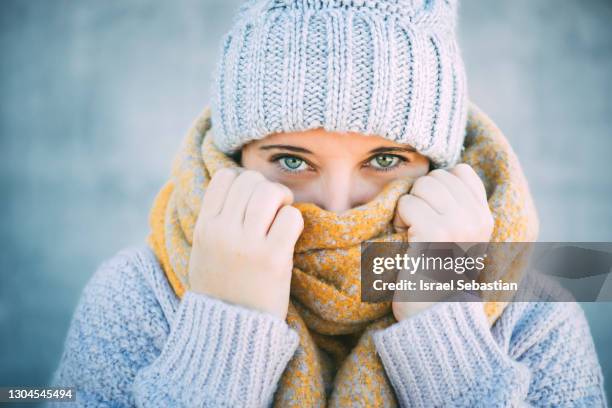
(271, 190)
(405, 202)
(478, 183)
(438, 173)
(225, 175)
(257, 204)
(422, 184)
(464, 170)
(284, 190)
(291, 216)
(251, 175)
(293, 213)
(267, 194)
(225, 172)
(464, 167)
(298, 218)
(261, 195)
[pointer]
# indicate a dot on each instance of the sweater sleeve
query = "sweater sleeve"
(542, 354)
(217, 355)
(121, 351)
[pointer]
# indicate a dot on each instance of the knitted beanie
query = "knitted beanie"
(390, 68)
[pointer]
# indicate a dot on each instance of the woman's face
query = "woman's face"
(337, 171)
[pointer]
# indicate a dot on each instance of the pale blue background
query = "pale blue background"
(96, 95)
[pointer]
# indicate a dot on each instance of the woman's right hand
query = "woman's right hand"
(243, 241)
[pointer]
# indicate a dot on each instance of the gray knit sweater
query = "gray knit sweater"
(132, 342)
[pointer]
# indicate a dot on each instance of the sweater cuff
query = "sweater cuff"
(218, 352)
(446, 355)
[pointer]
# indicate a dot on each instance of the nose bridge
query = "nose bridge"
(337, 190)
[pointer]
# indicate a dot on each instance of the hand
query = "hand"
(443, 206)
(446, 206)
(244, 240)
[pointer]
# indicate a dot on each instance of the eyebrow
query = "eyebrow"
(382, 149)
(286, 147)
(387, 149)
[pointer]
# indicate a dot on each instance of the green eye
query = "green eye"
(291, 163)
(384, 161)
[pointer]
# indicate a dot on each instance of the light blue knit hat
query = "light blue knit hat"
(391, 68)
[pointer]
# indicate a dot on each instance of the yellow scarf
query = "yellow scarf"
(336, 363)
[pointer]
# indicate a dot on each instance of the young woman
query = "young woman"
(333, 122)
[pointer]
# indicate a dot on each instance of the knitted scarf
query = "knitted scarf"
(336, 363)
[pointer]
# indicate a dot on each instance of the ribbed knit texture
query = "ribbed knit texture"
(448, 357)
(217, 337)
(391, 68)
(132, 342)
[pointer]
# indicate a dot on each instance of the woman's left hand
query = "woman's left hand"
(443, 206)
